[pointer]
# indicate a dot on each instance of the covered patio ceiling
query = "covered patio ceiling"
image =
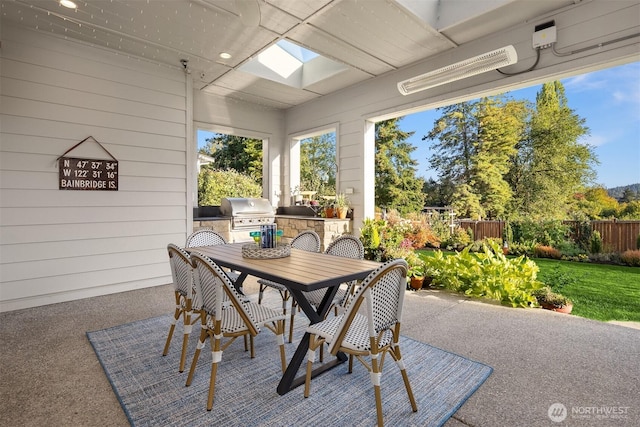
(356, 40)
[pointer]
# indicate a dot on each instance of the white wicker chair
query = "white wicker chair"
(185, 305)
(347, 246)
(307, 241)
(239, 318)
(374, 331)
(206, 237)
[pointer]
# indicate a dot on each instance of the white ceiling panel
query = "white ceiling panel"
(370, 37)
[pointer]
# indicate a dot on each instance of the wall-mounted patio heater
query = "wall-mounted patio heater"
(460, 70)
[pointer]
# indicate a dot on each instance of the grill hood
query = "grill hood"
(240, 206)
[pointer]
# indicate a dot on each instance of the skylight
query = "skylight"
(301, 54)
(293, 65)
(279, 60)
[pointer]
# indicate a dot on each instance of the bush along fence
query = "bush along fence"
(616, 235)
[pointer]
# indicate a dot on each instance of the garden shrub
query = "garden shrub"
(370, 238)
(570, 249)
(420, 233)
(548, 233)
(440, 228)
(601, 258)
(488, 274)
(213, 185)
(507, 233)
(543, 251)
(459, 239)
(478, 245)
(582, 234)
(595, 246)
(522, 248)
(631, 258)
(378, 236)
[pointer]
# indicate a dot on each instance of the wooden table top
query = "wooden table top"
(301, 270)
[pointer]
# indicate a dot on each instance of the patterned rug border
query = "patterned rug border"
(203, 365)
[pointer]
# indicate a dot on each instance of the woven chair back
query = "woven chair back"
(382, 294)
(216, 290)
(307, 241)
(347, 246)
(180, 262)
(205, 238)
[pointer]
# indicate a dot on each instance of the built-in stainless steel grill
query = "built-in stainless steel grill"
(247, 214)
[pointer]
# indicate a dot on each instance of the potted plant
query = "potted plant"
(328, 208)
(416, 277)
(341, 205)
(416, 270)
(552, 300)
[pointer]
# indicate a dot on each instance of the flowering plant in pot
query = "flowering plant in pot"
(552, 300)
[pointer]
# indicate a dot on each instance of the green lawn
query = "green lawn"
(598, 291)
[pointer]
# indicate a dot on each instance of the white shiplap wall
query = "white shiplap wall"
(60, 245)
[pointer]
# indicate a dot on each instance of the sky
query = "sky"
(608, 100)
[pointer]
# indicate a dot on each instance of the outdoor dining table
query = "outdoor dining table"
(300, 271)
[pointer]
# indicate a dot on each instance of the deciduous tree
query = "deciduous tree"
(318, 164)
(552, 163)
(243, 155)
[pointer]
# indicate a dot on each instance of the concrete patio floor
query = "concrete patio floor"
(540, 358)
(49, 374)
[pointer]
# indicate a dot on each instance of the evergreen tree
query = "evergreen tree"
(628, 195)
(475, 142)
(397, 185)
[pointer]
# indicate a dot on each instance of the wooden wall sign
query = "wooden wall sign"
(87, 174)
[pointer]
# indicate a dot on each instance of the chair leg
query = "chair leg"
(261, 293)
(166, 345)
(185, 339)
(395, 352)
(253, 354)
(176, 316)
(293, 316)
(378, 406)
(196, 355)
(280, 336)
(212, 386)
(216, 358)
(286, 298)
(311, 355)
(375, 379)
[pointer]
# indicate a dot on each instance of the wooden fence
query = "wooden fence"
(617, 236)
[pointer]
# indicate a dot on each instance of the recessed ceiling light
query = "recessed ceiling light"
(69, 4)
(225, 55)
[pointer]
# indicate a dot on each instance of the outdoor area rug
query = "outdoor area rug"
(152, 391)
